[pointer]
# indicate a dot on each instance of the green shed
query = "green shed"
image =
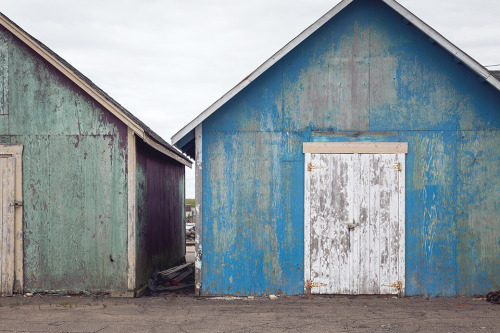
(92, 199)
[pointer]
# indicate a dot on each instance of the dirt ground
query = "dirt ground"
(186, 313)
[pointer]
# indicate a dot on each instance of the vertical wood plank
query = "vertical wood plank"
(401, 223)
(10, 232)
(7, 237)
(4, 76)
(198, 207)
(329, 239)
(307, 221)
(391, 185)
(346, 205)
(317, 173)
(131, 185)
(374, 283)
(3, 224)
(363, 229)
(334, 233)
(384, 221)
(354, 233)
(18, 220)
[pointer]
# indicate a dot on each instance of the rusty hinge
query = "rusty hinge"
(398, 166)
(310, 166)
(310, 284)
(397, 284)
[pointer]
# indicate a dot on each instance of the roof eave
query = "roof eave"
(177, 157)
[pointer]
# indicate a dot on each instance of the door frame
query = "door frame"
(16, 151)
(351, 148)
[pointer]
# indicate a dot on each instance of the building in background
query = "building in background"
(92, 199)
(361, 158)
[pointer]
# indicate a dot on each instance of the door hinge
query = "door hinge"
(398, 166)
(310, 166)
(397, 284)
(17, 204)
(310, 285)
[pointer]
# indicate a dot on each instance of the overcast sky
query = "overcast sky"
(166, 61)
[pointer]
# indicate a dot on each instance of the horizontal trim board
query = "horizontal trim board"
(149, 141)
(355, 147)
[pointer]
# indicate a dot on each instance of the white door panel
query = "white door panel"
(353, 202)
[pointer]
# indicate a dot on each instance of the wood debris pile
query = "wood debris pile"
(493, 297)
(175, 278)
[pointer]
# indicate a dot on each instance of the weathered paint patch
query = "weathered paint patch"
(354, 136)
(249, 222)
(7, 225)
(76, 204)
(478, 212)
(4, 77)
(44, 102)
(325, 79)
(74, 176)
(430, 212)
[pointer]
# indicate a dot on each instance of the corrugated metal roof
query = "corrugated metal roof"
(133, 119)
(455, 51)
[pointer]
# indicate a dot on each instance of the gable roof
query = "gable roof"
(139, 128)
(447, 45)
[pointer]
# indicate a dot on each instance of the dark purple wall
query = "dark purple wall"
(160, 212)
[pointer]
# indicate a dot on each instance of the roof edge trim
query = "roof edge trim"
(447, 45)
(70, 75)
(181, 159)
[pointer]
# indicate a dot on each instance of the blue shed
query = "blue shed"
(361, 158)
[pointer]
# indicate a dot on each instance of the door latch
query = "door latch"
(17, 204)
(351, 226)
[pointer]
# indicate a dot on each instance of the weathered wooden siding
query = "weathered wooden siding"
(356, 243)
(364, 75)
(74, 175)
(160, 212)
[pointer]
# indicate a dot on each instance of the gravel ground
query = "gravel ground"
(185, 313)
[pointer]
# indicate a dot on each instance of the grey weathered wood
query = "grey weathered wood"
(355, 147)
(198, 208)
(7, 264)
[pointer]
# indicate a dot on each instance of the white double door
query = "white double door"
(354, 223)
